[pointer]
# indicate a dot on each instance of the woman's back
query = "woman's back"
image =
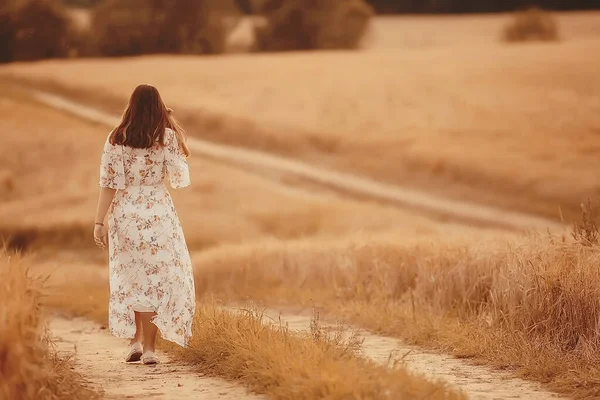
(124, 166)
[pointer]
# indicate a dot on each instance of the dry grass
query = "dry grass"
(282, 365)
(271, 360)
(29, 369)
(267, 210)
(484, 126)
(529, 304)
(267, 359)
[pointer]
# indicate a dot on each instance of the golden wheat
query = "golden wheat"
(485, 122)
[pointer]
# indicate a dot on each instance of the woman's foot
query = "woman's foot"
(135, 352)
(149, 358)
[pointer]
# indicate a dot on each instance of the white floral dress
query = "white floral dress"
(149, 263)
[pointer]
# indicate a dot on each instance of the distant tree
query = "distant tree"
(245, 6)
(472, 6)
(33, 30)
(163, 26)
(429, 6)
(531, 24)
(8, 32)
(81, 3)
(311, 24)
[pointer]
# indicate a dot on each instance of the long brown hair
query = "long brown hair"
(144, 121)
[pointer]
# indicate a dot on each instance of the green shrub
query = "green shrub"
(311, 24)
(133, 27)
(531, 24)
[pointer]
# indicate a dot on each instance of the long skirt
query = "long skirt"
(149, 264)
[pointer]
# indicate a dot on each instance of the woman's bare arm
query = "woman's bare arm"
(104, 201)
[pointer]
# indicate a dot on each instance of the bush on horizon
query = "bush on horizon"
(140, 27)
(311, 24)
(33, 30)
(531, 24)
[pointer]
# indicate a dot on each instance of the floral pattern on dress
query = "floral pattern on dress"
(149, 263)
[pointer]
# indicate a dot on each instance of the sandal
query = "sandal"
(135, 352)
(149, 358)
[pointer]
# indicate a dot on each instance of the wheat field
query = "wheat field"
(430, 284)
(226, 205)
(510, 125)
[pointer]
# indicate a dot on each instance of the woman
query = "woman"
(151, 278)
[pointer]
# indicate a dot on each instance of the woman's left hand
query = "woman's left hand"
(101, 236)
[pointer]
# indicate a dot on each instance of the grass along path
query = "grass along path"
(478, 382)
(99, 359)
(278, 362)
(528, 306)
(267, 359)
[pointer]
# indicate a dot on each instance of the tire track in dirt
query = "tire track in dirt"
(99, 358)
(478, 382)
(465, 212)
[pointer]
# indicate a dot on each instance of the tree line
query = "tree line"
(476, 6)
(435, 6)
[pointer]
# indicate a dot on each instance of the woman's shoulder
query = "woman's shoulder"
(170, 136)
(169, 131)
(109, 143)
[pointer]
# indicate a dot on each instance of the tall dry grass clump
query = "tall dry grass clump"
(34, 29)
(585, 231)
(531, 24)
(531, 303)
(270, 359)
(28, 367)
(133, 27)
(311, 24)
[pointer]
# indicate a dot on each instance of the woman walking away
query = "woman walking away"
(151, 278)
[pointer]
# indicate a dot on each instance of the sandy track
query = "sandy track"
(99, 359)
(478, 382)
(465, 212)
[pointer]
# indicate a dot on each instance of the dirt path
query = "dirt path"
(478, 382)
(99, 358)
(470, 213)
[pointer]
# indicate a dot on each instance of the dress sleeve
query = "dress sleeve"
(112, 171)
(177, 166)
